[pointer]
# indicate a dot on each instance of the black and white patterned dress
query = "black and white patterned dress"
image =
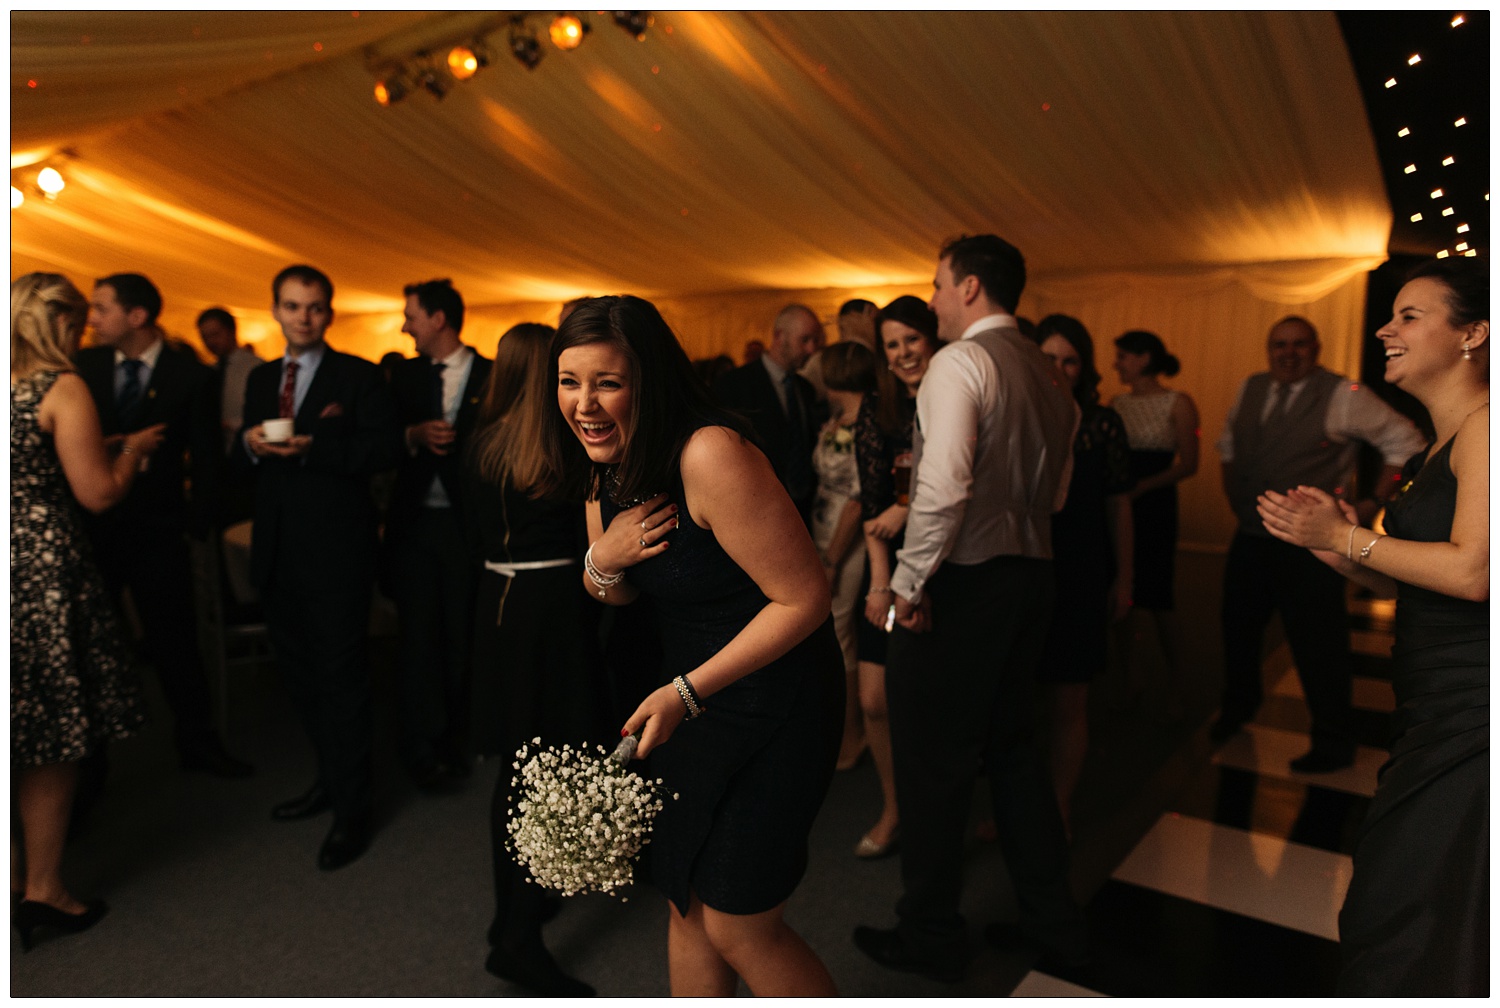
(71, 685)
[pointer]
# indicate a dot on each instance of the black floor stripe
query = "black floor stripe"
(1290, 810)
(1148, 944)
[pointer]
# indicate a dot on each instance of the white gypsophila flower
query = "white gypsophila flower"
(579, 821)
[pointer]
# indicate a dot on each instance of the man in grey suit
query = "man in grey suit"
(973, 595)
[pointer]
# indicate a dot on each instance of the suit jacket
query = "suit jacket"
(748, 390)
(411, 387)
(179, 490)
(317, 511)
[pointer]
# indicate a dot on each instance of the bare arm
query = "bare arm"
(879, 598)
(99, 482)
(1459, 567)
(1185, 464)
(845, 534)
(732, 490)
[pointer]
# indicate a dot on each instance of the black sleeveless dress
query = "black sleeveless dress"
(1416, 918)
(752, 771)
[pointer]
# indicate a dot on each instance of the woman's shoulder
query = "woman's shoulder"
(712, 444)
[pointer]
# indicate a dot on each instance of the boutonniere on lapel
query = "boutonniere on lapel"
(333, 409)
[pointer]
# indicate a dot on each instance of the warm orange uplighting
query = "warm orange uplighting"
(462, 62)
(50, 181)
(566, 31)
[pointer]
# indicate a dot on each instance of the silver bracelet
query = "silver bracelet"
(689, 697)
(604, 582)
(1364, 554)
(1349, 547)
(126, 449)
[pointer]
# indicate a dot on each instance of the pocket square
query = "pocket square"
(333, 409)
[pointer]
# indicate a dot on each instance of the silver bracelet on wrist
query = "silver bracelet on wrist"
(1349, 547)
(689, 697)
(1364, 554)
(603, 582)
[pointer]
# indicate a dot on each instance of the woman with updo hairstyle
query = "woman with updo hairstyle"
(71, 683)
(906, 333)
(1092, 554)
(837, 527)
(743, 722)
(1162, 425)
(1415, 920)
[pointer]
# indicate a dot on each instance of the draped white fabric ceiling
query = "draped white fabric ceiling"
(723, 162)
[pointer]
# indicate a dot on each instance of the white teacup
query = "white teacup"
(277, 430)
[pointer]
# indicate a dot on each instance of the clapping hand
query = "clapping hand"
(1308, 517)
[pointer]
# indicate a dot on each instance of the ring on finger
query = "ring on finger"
(643, 542)
(644, 526)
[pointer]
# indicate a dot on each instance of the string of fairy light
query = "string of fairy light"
(1434, 192)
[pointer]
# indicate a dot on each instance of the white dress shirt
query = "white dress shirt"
(1354, 414)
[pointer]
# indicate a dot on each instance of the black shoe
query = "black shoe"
(889, 950)
(1317, 760)
(536, 971)
(304, 806)
(1224, 729)
(345, 843)
(1051, 957)
(30, 915)
(209, 756)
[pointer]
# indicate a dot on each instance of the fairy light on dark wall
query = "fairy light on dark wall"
(1425, 80)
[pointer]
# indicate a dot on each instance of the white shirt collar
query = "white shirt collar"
(998, 320)
(148, 356)
(457, 358)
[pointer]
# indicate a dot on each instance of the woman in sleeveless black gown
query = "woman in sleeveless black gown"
(1415, 921)
(746, 725)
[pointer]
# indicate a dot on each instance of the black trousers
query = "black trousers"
(433, 581)
(154, 565)
(960, 698)
(1264, 576)
(318, 616)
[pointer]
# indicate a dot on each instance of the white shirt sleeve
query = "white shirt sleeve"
(1357, 414)
(949, 405)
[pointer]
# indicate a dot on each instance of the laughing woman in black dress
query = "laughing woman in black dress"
(1416, 918)
(745, 725)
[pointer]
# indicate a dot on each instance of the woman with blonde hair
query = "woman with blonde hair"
(71, 686)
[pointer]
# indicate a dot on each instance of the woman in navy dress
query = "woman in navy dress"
(1415, 922)
(746, 723)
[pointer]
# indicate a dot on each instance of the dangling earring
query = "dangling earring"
(1466, 352)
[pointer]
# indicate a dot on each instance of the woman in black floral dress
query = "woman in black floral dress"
(70, 682)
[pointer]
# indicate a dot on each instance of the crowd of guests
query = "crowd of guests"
(884, 545)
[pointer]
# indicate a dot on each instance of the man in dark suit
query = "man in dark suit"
(779, 403)
(427, 570)
(139, 379)
(313, 547)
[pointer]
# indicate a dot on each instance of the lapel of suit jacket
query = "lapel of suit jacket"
(97, 369)
(468, 406)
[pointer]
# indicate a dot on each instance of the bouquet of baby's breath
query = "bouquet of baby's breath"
(579, 821)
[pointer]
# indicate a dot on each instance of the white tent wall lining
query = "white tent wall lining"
(1199, 174)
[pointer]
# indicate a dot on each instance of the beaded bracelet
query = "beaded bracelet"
(689, 697)
(601, 580)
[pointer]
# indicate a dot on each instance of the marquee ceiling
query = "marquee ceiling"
(725, 152)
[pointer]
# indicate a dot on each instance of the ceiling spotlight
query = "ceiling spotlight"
(17, 197)
(464, 61)
(392, 88)
(50, 182)
(634, 22)
(523, 44)
(567, 31)
(434, 84)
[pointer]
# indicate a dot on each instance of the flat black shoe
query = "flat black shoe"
(213, 760)
(304, 806)
(889, 950)
(345, 843)
(29, 916)
(1323, 761)
(536, 971)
